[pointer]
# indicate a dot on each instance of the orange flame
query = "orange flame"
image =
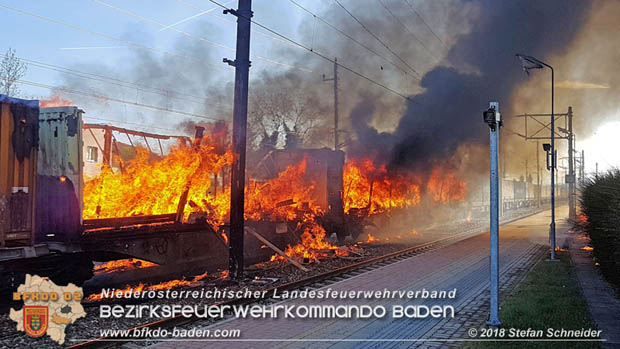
(55, 101)
(147, 187)
(313, 245)
(283, 198)
(122, 265)
(388, 192)
(445, 187)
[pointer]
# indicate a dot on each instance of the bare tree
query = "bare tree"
(282, 117)
(11, 70)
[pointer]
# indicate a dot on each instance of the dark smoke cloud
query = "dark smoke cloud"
(448, 113)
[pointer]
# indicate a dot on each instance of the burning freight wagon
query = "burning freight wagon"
(173, 209)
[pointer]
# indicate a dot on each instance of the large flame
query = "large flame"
(313, 245)
(445, 187)
(284, 197)
(146, 186)
(388, 191)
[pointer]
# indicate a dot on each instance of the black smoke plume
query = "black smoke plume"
(480, 67)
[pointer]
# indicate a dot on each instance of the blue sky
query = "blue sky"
(57, 44)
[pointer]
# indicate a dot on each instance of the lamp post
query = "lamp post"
(529, 62)
(492, 117)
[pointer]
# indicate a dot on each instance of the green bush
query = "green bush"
(600, 202)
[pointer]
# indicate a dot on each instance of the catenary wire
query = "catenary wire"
(407, 29)
(110, 37)
(376, 37)
(113, 99)
(423, 21)
(348, 36)
(121, 83)
(192, 36)
(317, 53)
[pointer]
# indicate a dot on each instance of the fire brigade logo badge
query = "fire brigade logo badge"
(35, 320)
(48, 308)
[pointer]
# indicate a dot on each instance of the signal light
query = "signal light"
(492, 118)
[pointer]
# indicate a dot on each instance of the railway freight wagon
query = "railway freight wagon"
(59, 175)
(40, 193)
(19, 127)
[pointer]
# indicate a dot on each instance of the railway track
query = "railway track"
(312, 282)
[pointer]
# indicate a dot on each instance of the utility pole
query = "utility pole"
(493, 118)
(239, 135)
(583, 166)
(335, 80)
(596, 169)
(572, 195)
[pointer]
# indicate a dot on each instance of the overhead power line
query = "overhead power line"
(110, 37)
(407, 28)
(423, 21)
(377, 38)
(191, 17)
(317, 53)
(224, 19)
(113, 99)
(152, 21)
(192, 36)
(348, 36)
(121, 83)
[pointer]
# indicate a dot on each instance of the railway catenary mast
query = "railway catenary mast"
(240, 116)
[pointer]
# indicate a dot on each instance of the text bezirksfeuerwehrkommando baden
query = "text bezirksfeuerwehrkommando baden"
(291, 311)
(329, 293)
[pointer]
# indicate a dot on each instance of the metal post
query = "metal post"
(336, 140)
(553, 166)
(583, 165)
(335, 80)
(494, 223)
(239, 132)
(107, 147)
(572, 195)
